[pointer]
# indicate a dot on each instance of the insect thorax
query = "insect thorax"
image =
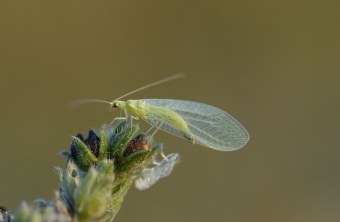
(136, 107)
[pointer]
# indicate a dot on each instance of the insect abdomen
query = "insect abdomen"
(171, 117)
(189, 137)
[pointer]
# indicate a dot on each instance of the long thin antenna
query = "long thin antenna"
(78, 102)
(83, 101)
(176, 76)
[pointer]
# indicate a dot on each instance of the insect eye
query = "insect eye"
(115, 105)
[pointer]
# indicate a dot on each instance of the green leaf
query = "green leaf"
(119, 142)
(133, 160)
(82, 155)
(104, 145)
(93, 196)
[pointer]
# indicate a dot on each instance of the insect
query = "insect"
(195, 122)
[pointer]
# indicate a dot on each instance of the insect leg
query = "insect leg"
(117, 118)
(147, 132)
(130, 118)
(156, 130)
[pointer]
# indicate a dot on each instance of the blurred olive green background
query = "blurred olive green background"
(274, 65)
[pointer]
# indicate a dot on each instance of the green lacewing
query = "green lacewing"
(195, 122)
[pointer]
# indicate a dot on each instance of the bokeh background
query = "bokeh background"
(274, 65)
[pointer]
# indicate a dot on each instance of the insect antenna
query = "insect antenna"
(84, 101)
(173, 77)
(78, 102)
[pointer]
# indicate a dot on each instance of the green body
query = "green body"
(138, 108)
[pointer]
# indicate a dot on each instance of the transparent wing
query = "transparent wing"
(209, 126)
